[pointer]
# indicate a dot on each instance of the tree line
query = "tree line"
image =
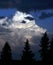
(46, 52)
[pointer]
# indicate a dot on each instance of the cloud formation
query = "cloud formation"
(15, 28)
(16, 32)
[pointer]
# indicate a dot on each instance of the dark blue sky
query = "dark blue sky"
(46, 23)
(44, 18)
(26, 5)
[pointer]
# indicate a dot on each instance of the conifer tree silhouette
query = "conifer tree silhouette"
(6, 53)
(51, 51)
(44, 47)
(27, 53)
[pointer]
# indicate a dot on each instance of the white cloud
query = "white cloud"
(30, 24)
(17, 28)
(16, 22)
(20, 31)
(3, 20)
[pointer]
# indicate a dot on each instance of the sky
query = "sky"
(26, 5)
(15, 31)
(44, 18)
(30, 19)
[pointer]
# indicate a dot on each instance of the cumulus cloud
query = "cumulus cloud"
(18, 31)
(30, 24)
(16, 23)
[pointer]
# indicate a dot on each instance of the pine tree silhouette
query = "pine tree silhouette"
(6, 53)
(27, 53)
(51, 51)
(44, 47)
